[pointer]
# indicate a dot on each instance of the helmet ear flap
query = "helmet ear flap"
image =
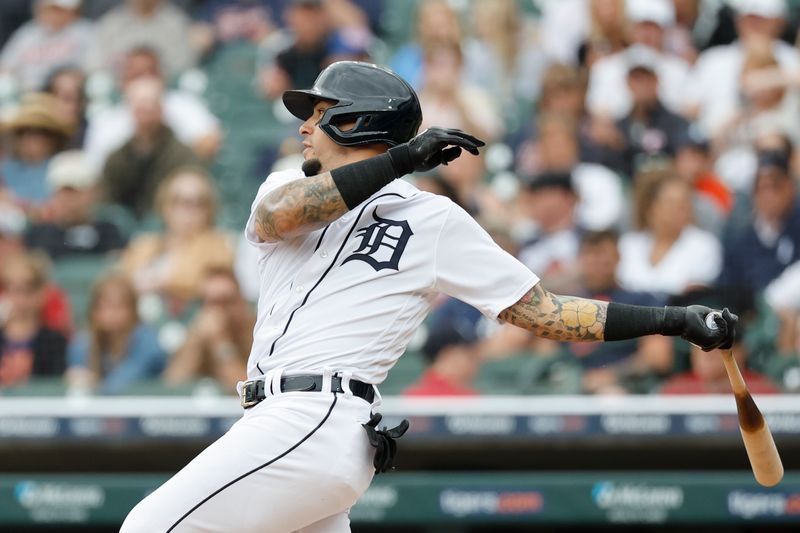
(348, 129)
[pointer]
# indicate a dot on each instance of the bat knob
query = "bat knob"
(711, 323)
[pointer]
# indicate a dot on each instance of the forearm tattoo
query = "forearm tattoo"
(561, 318)
(299, 207)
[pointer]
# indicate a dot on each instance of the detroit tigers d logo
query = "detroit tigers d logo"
(382, 243)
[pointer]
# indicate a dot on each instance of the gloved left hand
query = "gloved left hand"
(696, 331)
(383, 440)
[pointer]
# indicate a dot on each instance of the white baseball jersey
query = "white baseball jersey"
(345, 298)
(349, 297)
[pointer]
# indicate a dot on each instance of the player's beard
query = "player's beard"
(311, 167)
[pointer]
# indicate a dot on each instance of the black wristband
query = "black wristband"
(674, 320)
(631, 321)
(401, 159)
(360, 180)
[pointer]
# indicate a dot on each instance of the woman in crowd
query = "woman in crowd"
(502, 55)
(28, 348)
(447, 100)
(173, 263)
(437, 22)
(668, 253)
(117, 350)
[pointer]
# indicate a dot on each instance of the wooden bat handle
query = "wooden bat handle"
(761, 450)
(734, 375)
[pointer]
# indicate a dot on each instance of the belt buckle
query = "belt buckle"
(249, 394)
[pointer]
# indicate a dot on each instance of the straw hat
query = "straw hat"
(40, 110)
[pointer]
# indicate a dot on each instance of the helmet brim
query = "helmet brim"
(301, 103)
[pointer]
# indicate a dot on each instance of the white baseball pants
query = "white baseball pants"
(296, 462)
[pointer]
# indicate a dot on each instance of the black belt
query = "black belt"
(253, 391)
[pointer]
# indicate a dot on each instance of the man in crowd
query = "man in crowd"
(757, 252)
(71, 226)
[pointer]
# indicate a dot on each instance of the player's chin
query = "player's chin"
(311, 167)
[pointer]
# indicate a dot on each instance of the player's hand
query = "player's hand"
(431, 148)
(698, 332)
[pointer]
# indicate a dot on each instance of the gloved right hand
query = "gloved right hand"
(431, 148)
(696, 331)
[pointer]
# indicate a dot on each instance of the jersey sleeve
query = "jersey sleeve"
(273, 181)
(470, 266)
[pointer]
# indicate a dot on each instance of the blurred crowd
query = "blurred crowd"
(639, 151)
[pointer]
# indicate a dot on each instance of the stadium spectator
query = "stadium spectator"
(759, 250)
(133, 172)
(351, 37)
(667, 253)
(220, 336)
(502, 57)
(71, 227)
(550, 201)
(608, 93)
(219, 22)
(580, 32)
(708, 374)
(556, 149)
(651, 130)
(56, 36)
(619, 367)
(447, 101)
(116, 351)
(692, 28)
(437, 22)
(713, 201)
(185, 114)
(564, 94)
(28, 348)
(301, 54)
(154, 23)
(55, 312)
(451, 349)
(38, 132)
(173, 263)
(712, 92)
(67, 85)
(768, 101)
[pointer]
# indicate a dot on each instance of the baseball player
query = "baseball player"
(351, 260)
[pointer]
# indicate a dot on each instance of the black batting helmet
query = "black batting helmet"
(384, 107)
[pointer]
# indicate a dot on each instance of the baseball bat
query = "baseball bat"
(758, 442)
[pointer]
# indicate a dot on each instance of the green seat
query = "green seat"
(408, 369)
(527, 373)
(76, 275)
(38, 386)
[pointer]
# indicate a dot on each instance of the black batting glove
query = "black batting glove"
(431, 148)
(698, 332)
(383, 440)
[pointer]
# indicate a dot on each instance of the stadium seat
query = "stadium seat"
(76, 274)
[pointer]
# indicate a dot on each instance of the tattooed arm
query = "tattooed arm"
(570, 319)
(299, 207)
(561, 318)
